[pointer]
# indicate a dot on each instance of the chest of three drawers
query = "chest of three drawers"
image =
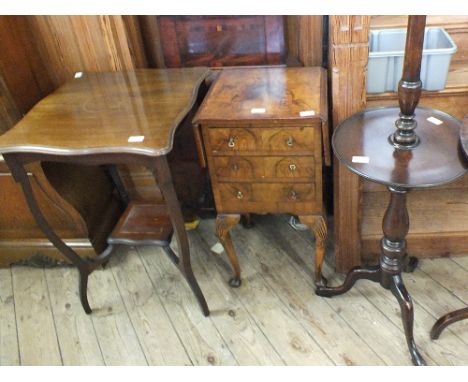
(263, 135)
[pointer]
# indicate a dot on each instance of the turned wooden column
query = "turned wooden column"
(410, 86)
(395, 226)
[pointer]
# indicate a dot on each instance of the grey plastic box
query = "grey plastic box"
(386, 54)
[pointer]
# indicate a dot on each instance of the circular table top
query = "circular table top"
(464, 136)
(361, 144)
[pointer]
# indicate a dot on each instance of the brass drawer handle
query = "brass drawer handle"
(293, 195)
(239, 195)
(290, 141)
(232, 141)
(292, 167)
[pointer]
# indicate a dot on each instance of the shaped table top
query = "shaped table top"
(134, 112)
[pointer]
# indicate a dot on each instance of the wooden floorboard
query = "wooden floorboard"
(9, 351)
(356, 316)
(75, 330)
(294, 344)
(230, 314)
(114, 330)
(424, 297)
(201, 339)
(152, 324)
(296, 294)
(38, 343)
(144, 313)
(449, 292)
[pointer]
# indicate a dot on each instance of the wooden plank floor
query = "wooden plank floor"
(145, 314)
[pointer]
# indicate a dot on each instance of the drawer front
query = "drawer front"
(250, 168)
(260, 141)
(289, 139)
(266, 197)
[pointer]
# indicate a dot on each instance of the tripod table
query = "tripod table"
(369, 145)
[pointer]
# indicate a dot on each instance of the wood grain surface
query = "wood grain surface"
(119, 112)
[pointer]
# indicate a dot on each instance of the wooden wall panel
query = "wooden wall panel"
(304, 39)
(9, 113)
(348, 61)
(152, 41)
(134, 34)
(23, 71)
(68, 44)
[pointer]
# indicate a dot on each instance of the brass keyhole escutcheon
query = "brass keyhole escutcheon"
(293, 195)
(232, 141)
(239, 195)
(235, 167)
(292, 167)
(290, 141)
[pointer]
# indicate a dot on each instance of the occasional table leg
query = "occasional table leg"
(388, 273)
(85, 266)
(84, 275)
(224, 223)
(318, 226)
(446, 320)
(163, 178)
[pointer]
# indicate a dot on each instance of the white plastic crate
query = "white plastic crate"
(386, 55)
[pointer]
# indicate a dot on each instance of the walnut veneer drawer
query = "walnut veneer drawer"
(296, 198)
(260, 140)
(251, 168)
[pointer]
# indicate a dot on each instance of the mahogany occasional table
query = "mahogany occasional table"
(460, 314)
(108, 119)
(368, 144)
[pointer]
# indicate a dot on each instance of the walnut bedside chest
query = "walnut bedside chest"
(264, 133)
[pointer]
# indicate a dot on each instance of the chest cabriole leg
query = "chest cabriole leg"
(317, 224)
(224, 223)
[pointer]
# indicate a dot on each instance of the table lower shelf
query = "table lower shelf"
(143, 223)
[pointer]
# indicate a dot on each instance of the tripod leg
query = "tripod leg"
(446, 320)
(355, 274)
(407, 314)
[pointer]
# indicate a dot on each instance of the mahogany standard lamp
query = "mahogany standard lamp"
(404, 158)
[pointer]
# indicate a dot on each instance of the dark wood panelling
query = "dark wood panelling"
(221, 40)
(304, 40)
(24, 73)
